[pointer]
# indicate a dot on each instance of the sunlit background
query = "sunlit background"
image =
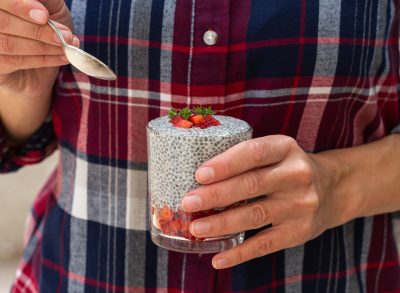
(17, 191)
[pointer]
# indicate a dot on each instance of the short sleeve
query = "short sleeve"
(39, 146)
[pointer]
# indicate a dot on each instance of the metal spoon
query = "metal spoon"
(82, 60)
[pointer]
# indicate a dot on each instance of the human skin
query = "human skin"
(300, 194)
(30, 56)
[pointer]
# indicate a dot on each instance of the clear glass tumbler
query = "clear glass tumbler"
(174, 154)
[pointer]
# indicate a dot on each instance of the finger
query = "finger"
(54, 6)
(266, 242)
(13, 63)
(12, 45)
(247, 217)
(241, 187)
(12, 25)
(245, 156)
(30, 10)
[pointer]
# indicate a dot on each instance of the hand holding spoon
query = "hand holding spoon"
(83, 61)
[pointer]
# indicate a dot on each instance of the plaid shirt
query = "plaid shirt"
(324, 72)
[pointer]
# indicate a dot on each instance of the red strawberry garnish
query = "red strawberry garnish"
(162, 224)
(165, 213)
(175, 120)
(213, 121)
(174, 228)
(209, 121)
(197, 119)
(177, 223)
(184, 124)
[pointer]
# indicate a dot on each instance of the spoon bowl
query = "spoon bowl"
(82, 60)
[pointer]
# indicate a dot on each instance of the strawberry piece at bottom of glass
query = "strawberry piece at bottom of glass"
(176, 223)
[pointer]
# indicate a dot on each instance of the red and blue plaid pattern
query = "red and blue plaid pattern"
(324, 72)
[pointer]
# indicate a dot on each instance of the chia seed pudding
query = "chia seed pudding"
(174, 156)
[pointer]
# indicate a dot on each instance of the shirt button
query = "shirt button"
(210, 38)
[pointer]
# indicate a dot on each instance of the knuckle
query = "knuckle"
(223, 224)
(257, 150)
(226, 162)
(303, 172)
(307, 202)
(258, 215)
(240, 256)
(4, 68)
(216, 198)
(264, 246)
(16, 6)
(45, 48)
(5, 21)
(7, 44)
(251, 183)
(16, 61)
(288, 140)
(288, 143)
(311, 201)
(37, 32)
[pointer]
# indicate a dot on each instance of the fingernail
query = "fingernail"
(205, 174)
(200, 227)
(220, 263)
(38, 15)
(191, 202)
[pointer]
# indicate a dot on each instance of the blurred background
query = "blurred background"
(17, 191)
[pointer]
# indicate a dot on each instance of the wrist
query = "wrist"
(340, 198)
(363, 180)
(22, 116)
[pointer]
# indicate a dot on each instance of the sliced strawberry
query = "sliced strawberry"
(172, 228)
(175, 120)
(208, 121)
(184, 124)
(214, 122)
(162, 224)
(197, 119)
(165, 213)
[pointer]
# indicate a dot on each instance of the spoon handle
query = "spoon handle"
(57, 31)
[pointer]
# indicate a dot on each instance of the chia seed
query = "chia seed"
(176, 153)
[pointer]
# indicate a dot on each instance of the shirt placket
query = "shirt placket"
(209, 53)
(207, 86)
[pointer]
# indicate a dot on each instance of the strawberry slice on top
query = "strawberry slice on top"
(183, 124)
(196, 119)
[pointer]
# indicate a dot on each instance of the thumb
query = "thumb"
(53, 6)
(58, 11)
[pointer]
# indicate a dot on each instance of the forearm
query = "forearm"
(21, 118)
(364, 180)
